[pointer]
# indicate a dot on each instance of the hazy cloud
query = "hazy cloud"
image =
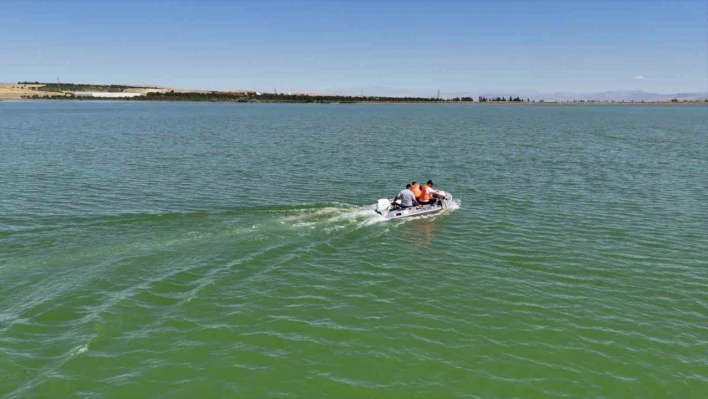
(639, 77)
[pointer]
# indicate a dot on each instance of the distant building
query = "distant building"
(104, 94)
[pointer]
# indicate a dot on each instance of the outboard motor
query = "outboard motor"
(382, 206)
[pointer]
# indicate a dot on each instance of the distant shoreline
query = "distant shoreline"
(440, 103)
(31, 91)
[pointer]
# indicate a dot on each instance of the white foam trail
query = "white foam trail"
(359, 215)
(304, 214)
(454, 204)
(305, 224)
(79, 350)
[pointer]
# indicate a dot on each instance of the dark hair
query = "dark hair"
(408, 185)
(414, 183)
(430, 182)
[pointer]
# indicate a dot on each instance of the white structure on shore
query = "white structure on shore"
(105, 94)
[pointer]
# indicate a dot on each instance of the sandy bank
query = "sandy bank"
(14, 91)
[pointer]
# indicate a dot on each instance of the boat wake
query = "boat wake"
(333, 218)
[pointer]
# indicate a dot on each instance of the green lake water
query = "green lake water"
(153, 250)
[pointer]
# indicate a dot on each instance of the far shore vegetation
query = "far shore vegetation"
(73, 91)
(69, 87)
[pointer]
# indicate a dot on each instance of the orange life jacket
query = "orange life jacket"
(424, 196)
(416, 190)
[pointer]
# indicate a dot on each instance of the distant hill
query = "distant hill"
(623, 95)
(617, 95)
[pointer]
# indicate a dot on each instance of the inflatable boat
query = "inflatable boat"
(391, 209)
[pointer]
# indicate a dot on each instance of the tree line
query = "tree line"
(483, 99)
(266, 97)
(254, 97)
(62, 87)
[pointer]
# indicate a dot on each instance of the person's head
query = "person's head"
(408, 185)
(429, 183)
(415, 183)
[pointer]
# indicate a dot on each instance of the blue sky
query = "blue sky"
(348, 46)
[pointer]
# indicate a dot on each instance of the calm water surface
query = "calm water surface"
(152, 250)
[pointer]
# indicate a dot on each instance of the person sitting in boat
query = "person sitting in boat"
(416, 189)
(428, 195)
(407, 198)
